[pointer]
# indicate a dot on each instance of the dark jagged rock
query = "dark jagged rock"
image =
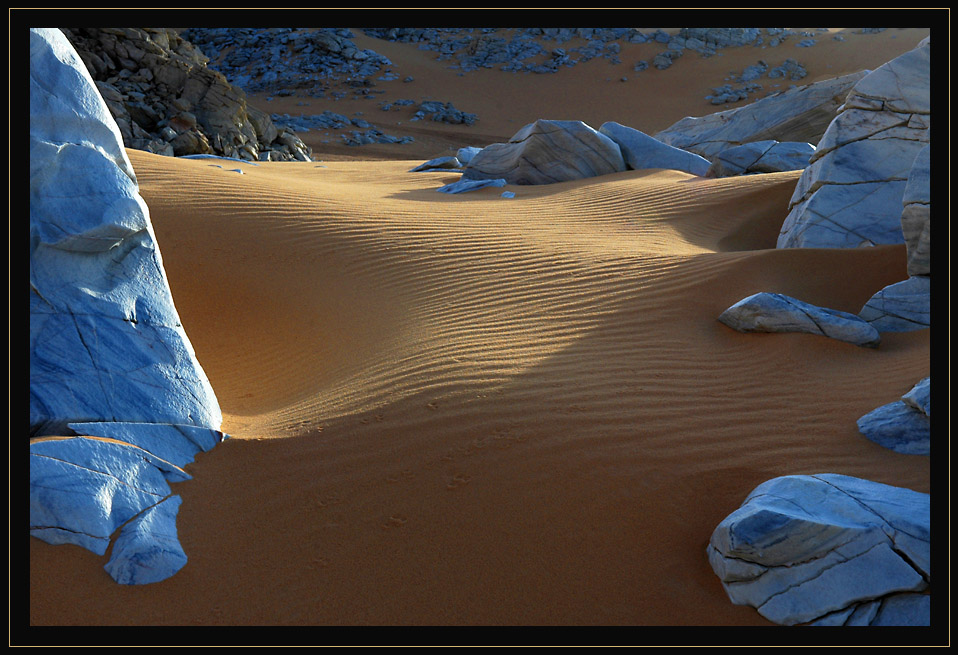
(165, 99)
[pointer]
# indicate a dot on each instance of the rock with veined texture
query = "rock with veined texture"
(850, 195)
(826, 548)
(775, 312)
(545, 152)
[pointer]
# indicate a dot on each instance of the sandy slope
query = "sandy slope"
(476, 410)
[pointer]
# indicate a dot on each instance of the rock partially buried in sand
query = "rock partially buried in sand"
(82, 490)
(851, 193)
(775, 312)
(438, 164)
(642, 151)
(147, 549)
(545, 152)
(901, 307)
(108, 354)
(106, 341)
(904, 425)
(463, 186)
(828, 549)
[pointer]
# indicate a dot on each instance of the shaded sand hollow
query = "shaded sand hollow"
(476, 410)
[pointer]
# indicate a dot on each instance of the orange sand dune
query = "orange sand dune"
(474, 410)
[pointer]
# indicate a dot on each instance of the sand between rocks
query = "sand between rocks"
(472, 410)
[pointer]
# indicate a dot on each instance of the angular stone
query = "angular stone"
(545, 152)
(147, 549)
(904, 425)
(438, 164)
(641, 151)
(463, 186)
(82, 490)
(898, 427)
(823, 544)
(775, 312)
(900, 307)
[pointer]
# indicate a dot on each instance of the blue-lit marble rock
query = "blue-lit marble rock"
(82, 490)
(850, 195)
(642, 151)
(464, 186)
(177, 444)
(775, 312)
(546, 152)
(147, 549)
(106, 343)
(808, 548)
(108, 355)
(903, 425)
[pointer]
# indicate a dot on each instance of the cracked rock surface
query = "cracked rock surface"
(114, 381)
(775, 312)
(828, 549)
(545, 152)
(903, 425)
(768, 156)
(851, 193)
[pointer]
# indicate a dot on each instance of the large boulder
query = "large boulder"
(761, 157)
(800, 114)
(642, 151)
(545, 152)
(776, 312)
(828, 549)
(108, 354)
(851, 193)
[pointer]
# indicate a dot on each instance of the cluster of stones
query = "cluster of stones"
(525, 49)
(329, 120)
(119, 404)
(165, 99)
(283, 60)
(827, 549)
(550, 151)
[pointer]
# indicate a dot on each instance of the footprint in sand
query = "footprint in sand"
(395, 521)
(458, 480)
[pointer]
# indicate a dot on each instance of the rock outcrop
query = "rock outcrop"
(165, 99)
(903, 425)
(761, 157)
(800, 114)
(108, 354)
(775, 312)
(642, 151)
(545, 152)
(851, 193)
(828, 549)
